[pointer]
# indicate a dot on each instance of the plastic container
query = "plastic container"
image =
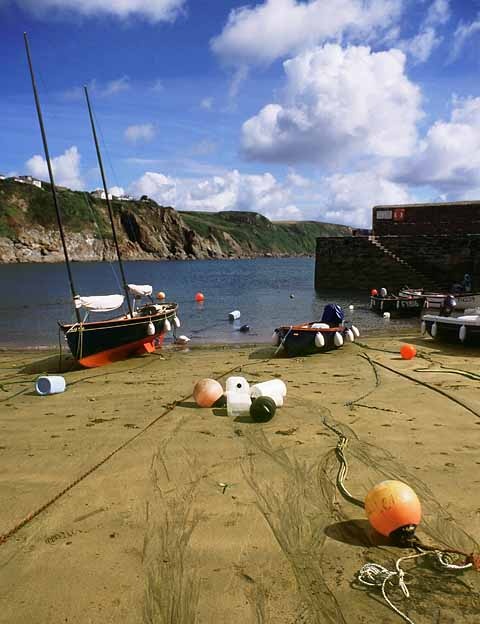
(237, 384)
(233, 316)
(238, 403)
(50, 384)
(269, 388)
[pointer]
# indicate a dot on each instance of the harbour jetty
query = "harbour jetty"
(422, 245)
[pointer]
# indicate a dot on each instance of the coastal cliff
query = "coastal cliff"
(145, 230)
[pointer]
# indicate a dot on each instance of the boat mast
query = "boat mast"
(110, 213)
(52, 182)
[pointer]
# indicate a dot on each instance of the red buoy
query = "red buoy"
(206, 392)
(374, 292)
(392, 505)
(199, 297)
(408, 351)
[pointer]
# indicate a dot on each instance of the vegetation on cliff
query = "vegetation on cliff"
(29, 232)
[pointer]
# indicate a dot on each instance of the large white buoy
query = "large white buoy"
(356, 331)
(150, 329)
(386, 315)
(319, 340)
(338, 339)
(167, 325)
(176, 321)
(462, 333)
(383, 292)
(423, 328)
(433, 330)
(349, 337)
(234, 315)
(275, 340)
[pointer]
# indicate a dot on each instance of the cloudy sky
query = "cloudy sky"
(312, 109)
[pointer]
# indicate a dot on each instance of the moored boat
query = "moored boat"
(435, 300)
(396, 305)
(464, 329)
(329, 333)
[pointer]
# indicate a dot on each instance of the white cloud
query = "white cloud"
(159, 187)
(116, 191)
(438, 13)
(276, 28)
(140, 132)
(339, 103)
(115, 86)
(461, 36)
(206, 103)
(66, 168)
(112, 87)
(152, 10)
(422, 45)
(448, 158)
(295, 179)
(157, 86)
(350, 197)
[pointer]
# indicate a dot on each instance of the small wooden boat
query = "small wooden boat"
(463, 329)
(434, 301)
(316, 336)
(397, 305)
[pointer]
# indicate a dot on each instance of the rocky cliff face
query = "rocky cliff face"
(145, 230)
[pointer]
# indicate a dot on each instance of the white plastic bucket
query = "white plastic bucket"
(238, 403)
(271, 388)
(233, 316)
(50, 384)
(237, 384)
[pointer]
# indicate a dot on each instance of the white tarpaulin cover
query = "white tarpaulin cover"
(140, 291)
(100, 303)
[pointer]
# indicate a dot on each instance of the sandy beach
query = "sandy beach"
(122, 501)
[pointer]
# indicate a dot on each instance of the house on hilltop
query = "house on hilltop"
(28, 180)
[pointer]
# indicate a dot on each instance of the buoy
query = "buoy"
(275, 340)
(408, 351)
(433, 330)
(199, 297)
(349, 337)
(338, 339)
(393, 505)
(383, 292)
(423, 328)
(150, 329)
(319, 340)
(206, 392)
(351, 307)
(262, 409)
(161, 295)
(233, 316)
(356, 331)
(292, 296)
(244, 329)
(386, 315)
(181, 340)
(176, 321)
(167, 325)
(374, 292)
(462, 333)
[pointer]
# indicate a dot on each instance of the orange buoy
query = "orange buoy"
(160, 295)
(206, 392)
(374, 292)
(408, 351)
(199, 297)
(392, 505)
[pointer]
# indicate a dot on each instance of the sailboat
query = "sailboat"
(143, 327)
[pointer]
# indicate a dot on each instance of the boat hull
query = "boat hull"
(298, 340)
(398, 306)
(434, 301)
(460, 330)
(99, 343)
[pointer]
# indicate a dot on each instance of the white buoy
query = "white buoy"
(349, 337)
(462, 333)
(319, 340)
(433, 330)
(176, 321)
(275, 340)
(167, 325)
(150, 329)
(356, 331)
(383, 292)
(386, 315)
(233, 316)
(182, 340)
(423, 328)
(338, 339)
(351, 307)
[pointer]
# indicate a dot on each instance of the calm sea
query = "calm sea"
(268, 292)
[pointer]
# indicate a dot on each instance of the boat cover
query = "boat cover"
(99, 303)
(140, 291)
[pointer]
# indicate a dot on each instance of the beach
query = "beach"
(123, 501)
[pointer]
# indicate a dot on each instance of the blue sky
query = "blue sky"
(314, 109)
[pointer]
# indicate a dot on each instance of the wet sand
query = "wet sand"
(202, 518)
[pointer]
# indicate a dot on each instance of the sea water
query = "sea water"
(268, 292)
